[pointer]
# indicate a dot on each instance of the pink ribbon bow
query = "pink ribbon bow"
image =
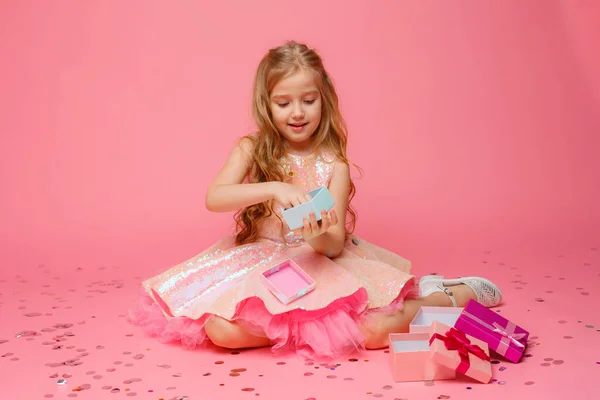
(509, 333)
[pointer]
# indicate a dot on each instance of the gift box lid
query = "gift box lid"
(287, 281)
(463, 353)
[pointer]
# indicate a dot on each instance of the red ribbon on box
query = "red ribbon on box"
(457, 340)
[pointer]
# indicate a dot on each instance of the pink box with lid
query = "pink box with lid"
(439, 354)
(463, 353)
(410, 359)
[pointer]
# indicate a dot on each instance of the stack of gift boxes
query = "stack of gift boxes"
(444, 343)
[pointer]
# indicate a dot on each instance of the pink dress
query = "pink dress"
(224, 281)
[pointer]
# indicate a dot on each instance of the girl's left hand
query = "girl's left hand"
(313, 228)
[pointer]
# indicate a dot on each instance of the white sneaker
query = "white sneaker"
(487, 293)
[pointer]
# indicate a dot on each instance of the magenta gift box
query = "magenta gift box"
(502, 336)
(287, 281)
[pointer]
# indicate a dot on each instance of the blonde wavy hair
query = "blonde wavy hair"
(268, 145)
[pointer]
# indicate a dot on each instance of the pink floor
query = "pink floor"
(67, 322)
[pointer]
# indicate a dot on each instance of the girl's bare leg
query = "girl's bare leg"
(231, 335)
(378, 328)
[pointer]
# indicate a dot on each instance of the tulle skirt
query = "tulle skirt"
(362, 284)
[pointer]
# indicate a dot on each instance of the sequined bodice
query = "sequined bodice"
(309, 172)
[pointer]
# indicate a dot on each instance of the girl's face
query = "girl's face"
(296, 108)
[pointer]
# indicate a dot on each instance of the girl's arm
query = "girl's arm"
(227, 192)
(331, 243)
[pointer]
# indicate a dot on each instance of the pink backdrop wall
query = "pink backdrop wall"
(473, 120)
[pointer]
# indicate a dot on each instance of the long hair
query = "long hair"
(268, 146)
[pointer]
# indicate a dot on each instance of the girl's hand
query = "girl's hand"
(312, 228)
(289, 195)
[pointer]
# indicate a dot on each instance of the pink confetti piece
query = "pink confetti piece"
(33, 314)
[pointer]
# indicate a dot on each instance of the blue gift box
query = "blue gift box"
(321, 200)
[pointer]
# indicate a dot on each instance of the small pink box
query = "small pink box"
(463, 353)
(287, 281)
(421, 323)
(411, 360)
(502, 336)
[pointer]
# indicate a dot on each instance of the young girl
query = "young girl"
(363, 292)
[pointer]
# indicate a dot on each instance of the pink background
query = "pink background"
(473, 120)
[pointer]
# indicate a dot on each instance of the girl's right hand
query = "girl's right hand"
(289, 195)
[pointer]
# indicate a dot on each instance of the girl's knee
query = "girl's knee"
(375, 340)
(223, 333)
(374, 336)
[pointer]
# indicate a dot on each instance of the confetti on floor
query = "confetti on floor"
(64, 334)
